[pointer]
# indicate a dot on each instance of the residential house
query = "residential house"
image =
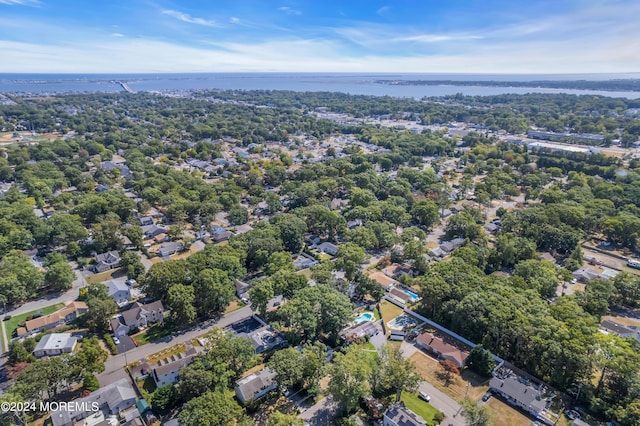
(220, 234)
(138, 316)
(586, 273)
(339, 204)
(203, 236)
(382, 279)
(55, 344)
(53, 320)
(263, 338)
(172, 247)
(613, 327)
(116, 401)
(119, 291)
(145, 220)
(167, 373)
(304, 261)
(364, 329)
(352, 224)
(241, 288)
(400, 295)
(443, 350)
(328, 248)
(107, 261)
(399, 415)
(396, 270)
(437, 253)
(521, 393)
(152, 231)
(256, 385)
(449, 246)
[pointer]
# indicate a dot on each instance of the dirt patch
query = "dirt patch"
(429, 368)
(503, 414)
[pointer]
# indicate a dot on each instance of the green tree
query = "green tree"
(195, 380)
(292, 229)
(217, 408)
(279, 261)
(99, 313)
(238, 215)
(481, 361)
(260, 294)
(289, 364)
(181, 299)
(214, 290)
(349, 257)
(161, 276)
(425, 212)
(59, 276)
(349, 377)
(164, 399)
(130, 260)
(280, 419)
(475, 414)
(394, 374)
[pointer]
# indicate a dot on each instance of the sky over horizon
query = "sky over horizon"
(428, 36)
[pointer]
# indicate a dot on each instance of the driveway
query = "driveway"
(114, 365)
(126, 344)
(322, 413)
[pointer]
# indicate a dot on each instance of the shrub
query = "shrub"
(108, 340)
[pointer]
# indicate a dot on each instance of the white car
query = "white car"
(116, 340)
(425, 396)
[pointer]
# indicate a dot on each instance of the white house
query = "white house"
(256, 385)
(399, 415)
(168, 373)
(119, 291)
(107, 261)
(55, 344)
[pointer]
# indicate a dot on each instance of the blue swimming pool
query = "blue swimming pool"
(364, 317)
(411, 294)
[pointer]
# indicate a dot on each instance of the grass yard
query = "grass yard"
(389, 311)
(147, 387)
(305, 272)
(429, 369)
(101, 277)
(504, 414)
(629, 322)
(422, 408)
(234, 306)
(153, 333)
(11, 324)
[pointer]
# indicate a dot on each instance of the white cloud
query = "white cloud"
(289, 11)
(434, 38)
(383, 10)
(119, 55)
(184, 17)
(117, 34)
(234, 20)
(20, 2)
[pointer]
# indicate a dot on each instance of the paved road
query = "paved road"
(114, 367)
(41, 303)
(322, 413)
(439, 399)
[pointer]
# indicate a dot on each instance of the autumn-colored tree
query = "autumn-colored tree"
(449, 371)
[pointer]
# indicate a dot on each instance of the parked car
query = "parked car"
(425, 396)
(572, 414)
(486, 396)
(116, 340)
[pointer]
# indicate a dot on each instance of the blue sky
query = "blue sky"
(472, 36)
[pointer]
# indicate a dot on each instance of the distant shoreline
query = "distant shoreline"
(622, 85)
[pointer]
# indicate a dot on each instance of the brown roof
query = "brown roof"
(437, 344)
(55, 317)
(382, 279)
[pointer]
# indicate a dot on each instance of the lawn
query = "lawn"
(504, 414)
(13, 323)
(422, 408)
(389, 311)
(234, 306)
(305, 272)
(101, 277)
(147, 387)
(429, 369)
(153, 333)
